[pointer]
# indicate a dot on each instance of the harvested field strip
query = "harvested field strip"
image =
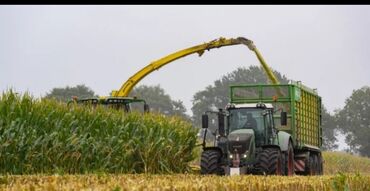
(185, 182)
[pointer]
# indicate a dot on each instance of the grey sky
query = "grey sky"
(42, 47)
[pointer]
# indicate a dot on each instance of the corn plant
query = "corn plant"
(46, 136)
(340, 162)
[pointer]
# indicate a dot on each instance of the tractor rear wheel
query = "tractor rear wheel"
(289, 161)
(210, 162)
(270, 161)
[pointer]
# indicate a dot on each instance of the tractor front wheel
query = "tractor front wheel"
(270, 161)
(210, 162)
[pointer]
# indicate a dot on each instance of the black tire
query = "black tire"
(316, 164)
(210, 163)
(270, 162)
(289, 161)
(320, 165)
(284, 159)
(310, 165)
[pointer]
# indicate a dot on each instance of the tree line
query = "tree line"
(353, 120)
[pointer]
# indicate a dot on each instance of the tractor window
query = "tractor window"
(268, 119)
(246, 119)
(269, 123)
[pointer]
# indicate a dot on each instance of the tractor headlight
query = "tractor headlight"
(245, 155)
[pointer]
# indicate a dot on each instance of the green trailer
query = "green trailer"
(302, 104)
(269, 129)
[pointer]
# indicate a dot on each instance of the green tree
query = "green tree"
(354, 121)
(329, 130)
(217, 95)
(159, 101)
(65, 94)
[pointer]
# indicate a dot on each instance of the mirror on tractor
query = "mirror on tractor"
(204, 121)
(146, 108)
(283, 118)
(221, 123)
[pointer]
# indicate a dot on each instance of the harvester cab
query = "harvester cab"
(126, 104)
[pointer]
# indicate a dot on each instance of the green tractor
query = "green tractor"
(265, 133)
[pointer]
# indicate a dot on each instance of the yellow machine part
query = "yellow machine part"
(133, 80)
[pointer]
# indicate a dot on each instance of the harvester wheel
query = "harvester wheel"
(210, 162)
(289, 161)
(270, 161)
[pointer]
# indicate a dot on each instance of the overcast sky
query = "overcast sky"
(42, 47)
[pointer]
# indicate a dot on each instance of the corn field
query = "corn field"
(339, 162)
(45, 136)
(47, 145)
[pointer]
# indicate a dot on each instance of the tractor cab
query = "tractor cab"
(253, 119)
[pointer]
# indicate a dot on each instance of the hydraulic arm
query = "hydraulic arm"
(133, 80)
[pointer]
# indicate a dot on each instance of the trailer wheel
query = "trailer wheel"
(320, 165)
(270, 162)
(210, 162)
(289, 161)
(311, 168)
(309, 165)
(316, 164)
